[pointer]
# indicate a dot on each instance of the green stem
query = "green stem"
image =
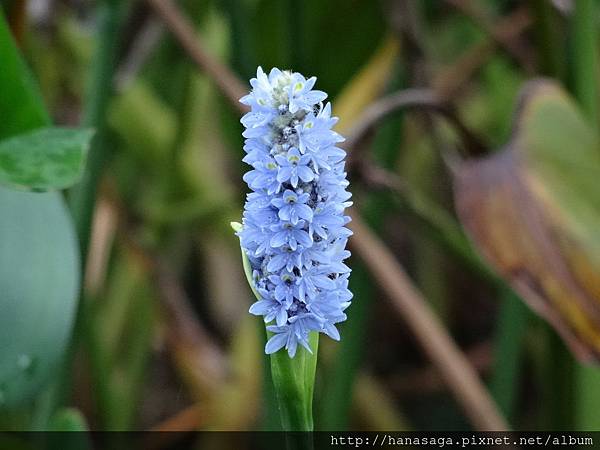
(559, 385)
(82, 197)
(111, 14)
(584, 71)
(508, 349)
(584, 76)
(270, 419)
(294, 381)
(549, 41)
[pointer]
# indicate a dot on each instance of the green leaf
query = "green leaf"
(20, 106)
(39, 267)
(44, 159)
(39, 281)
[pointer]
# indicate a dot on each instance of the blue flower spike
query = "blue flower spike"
(293, 231)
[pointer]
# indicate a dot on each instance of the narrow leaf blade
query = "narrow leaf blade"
(20, 107)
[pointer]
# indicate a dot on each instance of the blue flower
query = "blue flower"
(285, 257)
(294, 167)
(271, 309)
(285, 287)
(300, 94)
(290, 234)
(294, 228)
(264, 176)
(292, 207)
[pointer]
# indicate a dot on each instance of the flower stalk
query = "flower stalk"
(294, 380)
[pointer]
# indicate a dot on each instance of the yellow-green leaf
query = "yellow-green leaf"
(366, 85)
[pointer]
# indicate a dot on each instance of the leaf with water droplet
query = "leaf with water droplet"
(39, 279)
(39, 266)
(26, 364)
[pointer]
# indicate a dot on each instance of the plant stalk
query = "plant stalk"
(294, 380)
(549, 43)
(584, 78)
(82, 197)
(508, 350)
(584, 57)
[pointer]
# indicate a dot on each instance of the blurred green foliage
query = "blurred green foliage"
(39, 261)
(164, 182)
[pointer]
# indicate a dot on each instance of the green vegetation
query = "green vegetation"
(123, 299)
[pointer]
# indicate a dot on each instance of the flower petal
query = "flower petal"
(276, 342)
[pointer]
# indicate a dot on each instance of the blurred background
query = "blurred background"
(161, 338)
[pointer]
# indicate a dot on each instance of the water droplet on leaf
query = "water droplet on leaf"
(26, 363)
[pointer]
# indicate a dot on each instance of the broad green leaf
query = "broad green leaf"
(44, 159)
(39, 271)
(39, 281)
(533, 209)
